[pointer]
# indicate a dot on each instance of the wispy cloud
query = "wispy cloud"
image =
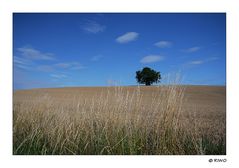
(45, 68)
(23, 67)
(163, 44)
(60, 66)
(22, 63)
(77, 66)
(94, 27)
(212, 59)
(28, 58)
(196, 62)
(192, 49)
(69, 65)
(33, 54)
(96, 58)
(127, 37)
(58, 76)
(151, 59)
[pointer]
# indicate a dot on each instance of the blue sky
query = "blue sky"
(63, 50)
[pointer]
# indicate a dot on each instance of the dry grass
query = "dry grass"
(165, 120)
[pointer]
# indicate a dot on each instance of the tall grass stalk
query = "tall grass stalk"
(116, 121)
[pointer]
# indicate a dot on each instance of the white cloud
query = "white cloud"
(23, 67)
(192, 49)
(22, 63)
(76, 66)
(60, 66)
(58, 76)
(45, 68)
(151, 59)
(69, 65)
(212, 59)
(127, 37)
(163, 44)
(93, 27)
(33, 54)
(197, 62)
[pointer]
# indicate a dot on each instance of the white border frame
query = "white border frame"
(10, 6)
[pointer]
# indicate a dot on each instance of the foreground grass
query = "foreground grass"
(116, 121)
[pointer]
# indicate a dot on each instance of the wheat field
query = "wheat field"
(155, 120)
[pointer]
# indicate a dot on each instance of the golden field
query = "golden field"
(139, 120)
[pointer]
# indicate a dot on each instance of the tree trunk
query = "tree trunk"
(147, 83)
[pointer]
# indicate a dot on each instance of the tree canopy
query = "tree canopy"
(148, 76)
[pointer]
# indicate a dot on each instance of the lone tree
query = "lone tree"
(148, 76)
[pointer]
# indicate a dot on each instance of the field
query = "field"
(155, 120)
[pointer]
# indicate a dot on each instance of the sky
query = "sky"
(105, 49)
